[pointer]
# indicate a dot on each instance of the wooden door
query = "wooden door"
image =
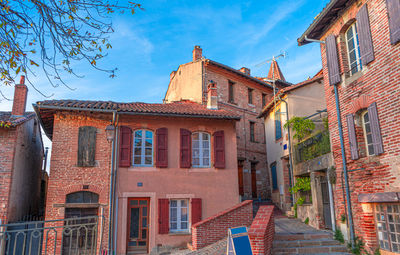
(326, 204)
(138, 225)
(240, 178)
(253, 180)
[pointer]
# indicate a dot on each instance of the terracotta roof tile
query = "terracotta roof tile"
(275, 72)
(7, 120)
(181, 108)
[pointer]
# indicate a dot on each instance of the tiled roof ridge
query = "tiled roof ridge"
(8, 120)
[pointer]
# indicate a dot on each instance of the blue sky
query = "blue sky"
(148, 45)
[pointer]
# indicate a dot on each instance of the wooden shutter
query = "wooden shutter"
(86, 146)
(196, 210)
(393, 9)
(186, 148)
(162, 147)
(274, 177)
(352, 136)
(364, 35)
(332, 60)
(125, 146)
(219, 149)
(163, 216)
(375, 129)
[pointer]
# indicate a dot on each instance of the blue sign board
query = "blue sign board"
(238, 242)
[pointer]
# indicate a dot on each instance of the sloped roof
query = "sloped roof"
(46, 110)
(275, 72)
(7, 120)
(323, 20)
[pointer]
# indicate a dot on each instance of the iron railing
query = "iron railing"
(72, 236)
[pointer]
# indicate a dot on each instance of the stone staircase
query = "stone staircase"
(307, 244)
(294, 237)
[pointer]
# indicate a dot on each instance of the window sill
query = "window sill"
(233, 103)
(251, 105)
(354, 77)
(143, 169)
(182, 233)
(201, 170)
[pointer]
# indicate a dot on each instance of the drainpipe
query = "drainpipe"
(115, 199)
(346, 179)
(289, 148)
(111, 193)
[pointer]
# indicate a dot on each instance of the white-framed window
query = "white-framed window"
(367, 133)
(179, 215)
(201, 149)
(353, 49)
(143, 148)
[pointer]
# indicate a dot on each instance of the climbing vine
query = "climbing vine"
(302, 184)
(301, 126)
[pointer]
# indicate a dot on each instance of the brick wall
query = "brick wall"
(250, 151)
(216, 227)
(66, 177)
(261, 232)
(378, 82)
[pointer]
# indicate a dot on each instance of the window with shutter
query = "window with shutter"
(375, 129)
(364, 34)
(125, 146)
(143, 148)
(186, 148)
(201, 149)
(86, 146)
(252, 131)
(393, 9)
(353, 49)
(274, 177)
(162, 147)
(179, 215)
(196, 210)
(332, 60)
(278, 124)
(163, 216)
(219, 149)
(352, 136)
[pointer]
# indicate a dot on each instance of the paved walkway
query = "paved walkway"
(284, 225)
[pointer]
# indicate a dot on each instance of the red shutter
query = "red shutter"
(375, 129)
(219, 149)
(196, 210)
(364, 36)
(162, 147)
(186, 149)
(163, 216)
(332, 60)
(393, 9)
(352, 136)
(125, 146)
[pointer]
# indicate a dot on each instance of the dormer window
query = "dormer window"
(353, 49)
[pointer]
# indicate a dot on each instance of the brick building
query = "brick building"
(361, 63)
(175, 165)
(241, 93)
(21, 154)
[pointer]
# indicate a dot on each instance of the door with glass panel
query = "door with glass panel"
(138, 225)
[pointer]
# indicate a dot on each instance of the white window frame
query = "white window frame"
(179, 220)
(143, 148)
(364, 124)
(202, 156)
(356, 49)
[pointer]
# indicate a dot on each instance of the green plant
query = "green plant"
(377, 252)
(357, 247)
(302, 184)
(316, 145)
(338, 235)
(326, 123)
(332, 174)
(343, 218)
(307, 221)
(301, 126)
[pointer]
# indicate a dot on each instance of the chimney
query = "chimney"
(197, 53)
(245, 70)
(20, 94)
(212, 96)
(172, 75)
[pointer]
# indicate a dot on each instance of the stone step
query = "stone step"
(304, 243)
(323, 249)
(292, 237)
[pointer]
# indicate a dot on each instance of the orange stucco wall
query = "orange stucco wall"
(216, 187)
